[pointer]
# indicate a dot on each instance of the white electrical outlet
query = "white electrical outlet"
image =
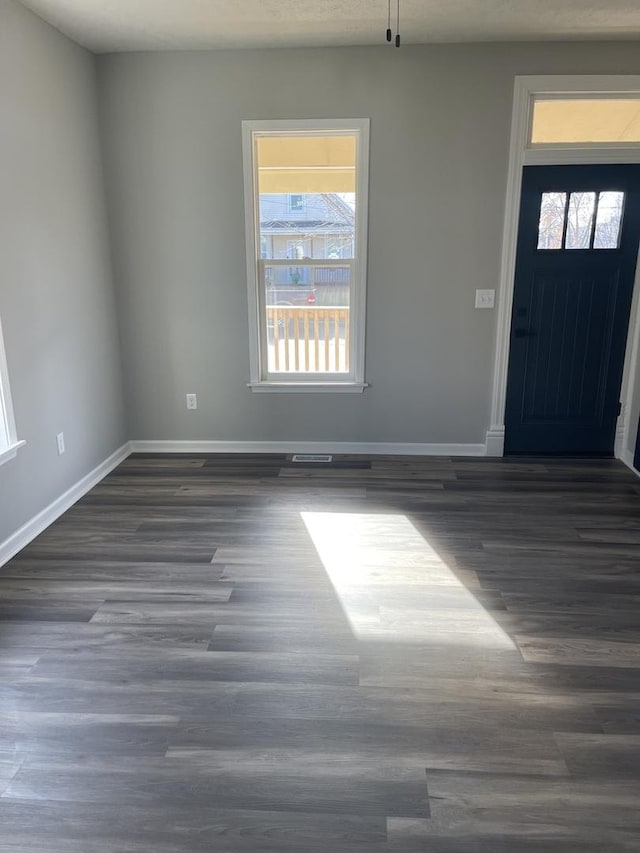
(60, 443)
(485, 298)
(192, 401)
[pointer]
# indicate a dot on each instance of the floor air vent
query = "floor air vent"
(311, 457)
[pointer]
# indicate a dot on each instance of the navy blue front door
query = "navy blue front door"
(575, 266)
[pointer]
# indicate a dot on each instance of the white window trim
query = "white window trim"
(260, 381)
(9, 443)
(523, 153)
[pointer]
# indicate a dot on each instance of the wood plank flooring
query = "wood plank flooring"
(390, 655)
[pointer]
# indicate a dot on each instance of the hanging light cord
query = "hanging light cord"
(389, 31)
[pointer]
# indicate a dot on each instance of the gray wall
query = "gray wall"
(440, 123)
(170, 127)
(56, 294)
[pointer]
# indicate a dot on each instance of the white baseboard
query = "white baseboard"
(25, 534)
(495, 441)
(626, 456)
(382, 448)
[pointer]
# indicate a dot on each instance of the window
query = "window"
(585, 120)
(306, 197)
(8, 441)
(580, 220)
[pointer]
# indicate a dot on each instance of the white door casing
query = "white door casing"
(522, 153)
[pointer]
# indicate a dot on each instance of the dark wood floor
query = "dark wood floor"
(239, 654)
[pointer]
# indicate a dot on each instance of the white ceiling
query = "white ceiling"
(118, 25)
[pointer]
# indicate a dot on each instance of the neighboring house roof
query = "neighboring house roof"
(321, 212)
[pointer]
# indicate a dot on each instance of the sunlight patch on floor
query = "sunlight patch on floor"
(393, 585)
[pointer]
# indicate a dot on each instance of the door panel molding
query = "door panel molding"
(520, 155)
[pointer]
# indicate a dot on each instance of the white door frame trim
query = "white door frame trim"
(521, 154)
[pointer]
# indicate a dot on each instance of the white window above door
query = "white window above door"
(572, 120)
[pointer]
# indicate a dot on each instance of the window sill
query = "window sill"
(307, 387)
(7, 453)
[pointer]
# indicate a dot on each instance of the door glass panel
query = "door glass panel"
(580, 220)
(551, 222)
(608, 220)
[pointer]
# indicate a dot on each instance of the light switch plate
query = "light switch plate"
(485, 298)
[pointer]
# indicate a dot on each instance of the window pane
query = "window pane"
(608, 220)
(575, 120)
(306, 197)
(306, 163)
(307, 203)
(4, 433)
(551, 222)
(7, 429)
(307, 312)
(580, 220)
(320, 225)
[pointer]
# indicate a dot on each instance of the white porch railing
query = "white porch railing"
(307, 339)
